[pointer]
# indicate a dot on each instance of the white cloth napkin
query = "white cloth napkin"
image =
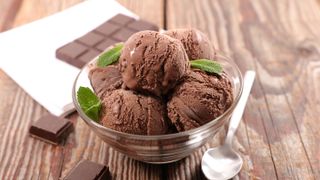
(27, 53)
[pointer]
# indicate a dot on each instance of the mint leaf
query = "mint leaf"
(207, 65)
(89, 103)
(111, 56)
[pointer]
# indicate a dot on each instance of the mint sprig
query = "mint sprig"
(89, 103)
(111, 56)
(207, 65)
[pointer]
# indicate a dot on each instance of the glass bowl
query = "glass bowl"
(159, 149)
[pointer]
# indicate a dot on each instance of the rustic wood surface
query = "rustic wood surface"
(279, 137)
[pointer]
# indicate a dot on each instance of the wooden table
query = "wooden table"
(279, 137)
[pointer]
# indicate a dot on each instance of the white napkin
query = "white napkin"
(27, 53)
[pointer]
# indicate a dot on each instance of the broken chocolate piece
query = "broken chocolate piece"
(51, 129)
(117, 29)
(87, 170)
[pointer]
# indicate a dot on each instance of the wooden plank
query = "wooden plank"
(86, 145)
(270, 38)
(283, 51)
(8, 10)
(149, 10)
(33, 159)
(21, 156)
(201, 15)
(190, 167)
(31, 10)
(279, 138)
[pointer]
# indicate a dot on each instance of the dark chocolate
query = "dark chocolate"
(117, 29)
(87, 170)
(51, 129)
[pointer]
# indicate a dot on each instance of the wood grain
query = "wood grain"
(20, 155)
(149, 10)
(86, 145)
(8, 11)
(280, 41)
(34, 159)
(279, 135)
(28, 12)
(23, 157)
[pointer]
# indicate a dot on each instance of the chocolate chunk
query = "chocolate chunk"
(87, 57)
(91, 39)
(117, 29)
(105, 44)
(87, 170)
(70, 51)
(123, 34)
(51, 129)
(107, 28)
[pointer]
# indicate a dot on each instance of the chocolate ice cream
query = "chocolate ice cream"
(196, 43)
(198, 99)
(126, 111)
(105, 79)
(154, 81)
(152, 62)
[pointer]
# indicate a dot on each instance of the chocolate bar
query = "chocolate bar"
(118, 29)
(51, 129)
(87, 170)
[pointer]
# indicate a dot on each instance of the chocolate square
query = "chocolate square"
(115, 30)
(107, 28)
(51, 129)
(87, 57)
(70, 51)
(91, 39)
(105, 44)
(123, 34)
(87, 170)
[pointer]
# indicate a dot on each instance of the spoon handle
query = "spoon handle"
(238, 111)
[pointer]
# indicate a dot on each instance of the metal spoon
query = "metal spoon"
(223, 162)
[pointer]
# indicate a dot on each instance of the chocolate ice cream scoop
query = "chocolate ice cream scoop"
(198, 99)
(152, 62)
(105, 79)
(196, 43)
(126, 111)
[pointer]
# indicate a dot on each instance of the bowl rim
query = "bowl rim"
(162, 136)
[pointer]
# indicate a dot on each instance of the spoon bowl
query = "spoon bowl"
(226, 161)
(223, 162)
